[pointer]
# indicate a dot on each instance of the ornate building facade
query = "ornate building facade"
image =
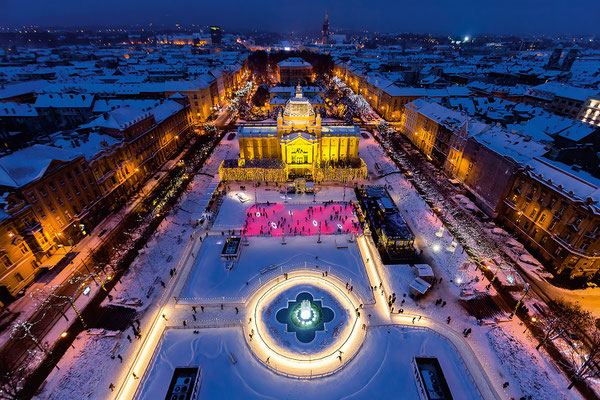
(298, 145)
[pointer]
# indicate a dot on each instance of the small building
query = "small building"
(419, 287)
(390, 230)
(294, 71)
(424, 271)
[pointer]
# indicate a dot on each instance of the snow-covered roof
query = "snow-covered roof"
(17, 110)
(19, 89)
(578, 185)
(563, 90)
(510, 144)
(119, 118)
(29, 164)
(58, 100)
(165, 110)
(89, 145)
(547, 124)
(294, 62)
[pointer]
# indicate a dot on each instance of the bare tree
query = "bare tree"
(11, 381)
(561, 318)
(583, 359)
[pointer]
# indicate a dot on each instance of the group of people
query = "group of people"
(328, 218)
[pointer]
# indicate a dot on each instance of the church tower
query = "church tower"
(325, 38)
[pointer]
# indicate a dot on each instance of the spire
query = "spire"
(325, 36)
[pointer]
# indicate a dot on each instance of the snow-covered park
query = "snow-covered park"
(200, 309)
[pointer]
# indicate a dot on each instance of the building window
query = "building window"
(19, 277)
(542, 217)
(23, 248)
(533, 212)
(6, 261)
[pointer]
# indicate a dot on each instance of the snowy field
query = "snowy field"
(381, 370)
(209, 281)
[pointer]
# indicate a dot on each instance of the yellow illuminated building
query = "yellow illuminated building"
(300, 145)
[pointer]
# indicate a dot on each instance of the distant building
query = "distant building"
(590, 111)
(554, 60)
(294, 71)
(297, 146)
(65, 111)
(554, 211)
(558, 98)
(325, 37)
(216, 36)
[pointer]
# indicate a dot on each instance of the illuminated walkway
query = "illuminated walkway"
(289, 363)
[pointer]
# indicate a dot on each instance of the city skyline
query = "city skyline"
(457, 18)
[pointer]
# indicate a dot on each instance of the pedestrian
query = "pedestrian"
(135, 376)
(129, 337)
(202, 308)
(194, 316)
(221, 306)
(165, 317)
(414, 320)
(111, 387)
(419, 317)
(369, 316)
(351, 288)
(448, 320)
(237, 311)
(364, 327)
(268, 359)
(162, 284)
(505, 385)
(194, 309)
(443, 303)
(184, 323)
(119, 357)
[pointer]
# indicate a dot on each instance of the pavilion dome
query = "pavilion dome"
(298, 106)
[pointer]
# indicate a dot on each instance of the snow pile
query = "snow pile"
(524, 366)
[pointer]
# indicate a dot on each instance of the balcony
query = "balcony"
(30, 230)
(573, 227)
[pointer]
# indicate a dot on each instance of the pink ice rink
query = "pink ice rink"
(278, 219)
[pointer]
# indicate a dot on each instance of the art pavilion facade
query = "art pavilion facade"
(298, 145)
